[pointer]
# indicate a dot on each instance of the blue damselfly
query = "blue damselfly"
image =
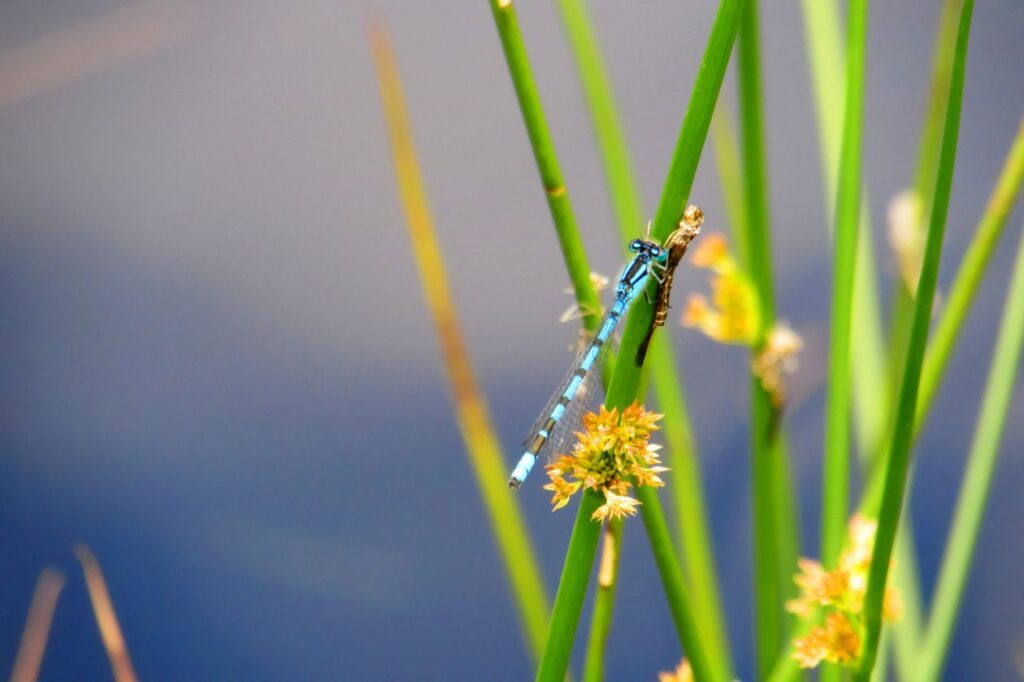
(554, 428)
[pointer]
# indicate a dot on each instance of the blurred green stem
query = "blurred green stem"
(898, 460)
(836, 470)
(970, 508)
(968, 277)
(604, 602)
(604, 115)
(769, 459)
(686, 480)
(625, 384)
(547, 161)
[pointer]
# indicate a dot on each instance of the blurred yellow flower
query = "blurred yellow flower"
(682, 673)
(733, 315)
(611, 454)
(836, 642)
(840, 595)
(818, 587)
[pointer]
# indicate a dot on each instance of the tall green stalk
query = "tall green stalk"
(604, 602)
(686, 480)
(604, 115)
(769, 461)
(687, 490)
(730, 180)
(579, 558)
(624, 386)
(970, 508)
(969, 275)
(625, 382)
(572, 589)
(836, 470)
(898, 461)
(938, 96)
(547, 160)
(870, 390)
(825, 55)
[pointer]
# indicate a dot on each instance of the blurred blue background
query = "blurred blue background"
(218, 371)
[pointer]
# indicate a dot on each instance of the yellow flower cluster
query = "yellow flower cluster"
(734, 313)
(840, 593)
(734, 316)
(611, 454)
(682, 673)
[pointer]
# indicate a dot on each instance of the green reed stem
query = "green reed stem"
(924, 175)
(625, 383)
(730, 179)
(772, 496)
(579, 557)
(961, 297)
(688, 495)
(825, 48)
(767, 576)
(898, 461)
(604, 602)
(572, 589)
(547, 161)
(751, 111)
(626, 379)
(938, 95)
(785, 514)
(972, 269)
(970, 508)
(694, 131)
(686, 488)
(836, 470)
(870, 391)
(906, 632)
(611, 141)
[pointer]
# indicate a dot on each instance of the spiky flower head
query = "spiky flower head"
(840, 594)
(611, 454)
(836, 642)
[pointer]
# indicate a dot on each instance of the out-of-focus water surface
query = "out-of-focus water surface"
(218, 371)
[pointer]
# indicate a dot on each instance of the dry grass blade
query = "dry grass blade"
(106, 618)
(37, 626)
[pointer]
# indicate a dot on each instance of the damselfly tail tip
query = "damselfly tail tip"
(514, 483)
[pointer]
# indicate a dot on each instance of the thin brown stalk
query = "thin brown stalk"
(37, 626)
(106, 618)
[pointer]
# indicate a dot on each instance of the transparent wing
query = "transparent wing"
(587, 396)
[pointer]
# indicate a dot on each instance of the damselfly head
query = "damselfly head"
(650, 249)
